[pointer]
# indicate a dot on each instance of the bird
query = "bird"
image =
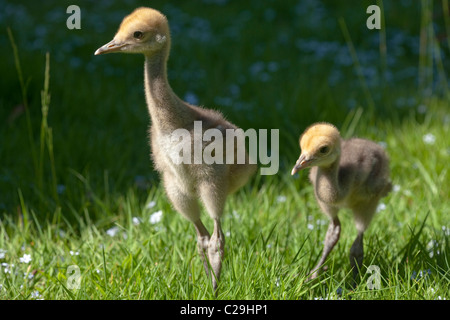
(352, 174)
(146, 31)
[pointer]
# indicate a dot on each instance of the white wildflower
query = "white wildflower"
(433, 247)
(36, 295)
(156, 217)
(151, 204)
(7, 267)
(432, 244)
(407, 193)
(281, 199)
(429, 138)
(29, 276)
(136, 220)
(2, 253)
(112, 231)
(25, 259)
(381, 207)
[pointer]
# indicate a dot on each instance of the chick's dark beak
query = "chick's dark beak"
(302, 163)
(112, 46)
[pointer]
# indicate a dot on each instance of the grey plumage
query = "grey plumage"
(351, 174)
(146, 31)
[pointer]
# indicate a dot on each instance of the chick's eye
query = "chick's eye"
(138, 34)
(324, 149)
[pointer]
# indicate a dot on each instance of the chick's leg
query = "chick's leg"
(357, 254)
(188, 207)
(331, 238)
(213, 196)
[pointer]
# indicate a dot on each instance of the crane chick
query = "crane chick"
(351, 174)
(146, 31)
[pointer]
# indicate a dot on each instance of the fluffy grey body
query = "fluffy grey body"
(352, 174)
(146, 31)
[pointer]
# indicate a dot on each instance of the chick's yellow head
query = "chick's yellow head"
(320, 145)
(145, 31)
(318, 136)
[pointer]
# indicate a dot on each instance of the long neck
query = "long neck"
(327, 184)
(167, 111)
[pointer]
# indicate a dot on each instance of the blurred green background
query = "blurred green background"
(264, 64)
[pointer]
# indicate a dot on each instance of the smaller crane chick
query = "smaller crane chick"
(351, 174)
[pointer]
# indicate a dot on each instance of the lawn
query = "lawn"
(83, 215)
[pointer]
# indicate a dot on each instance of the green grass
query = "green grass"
(76, 181)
